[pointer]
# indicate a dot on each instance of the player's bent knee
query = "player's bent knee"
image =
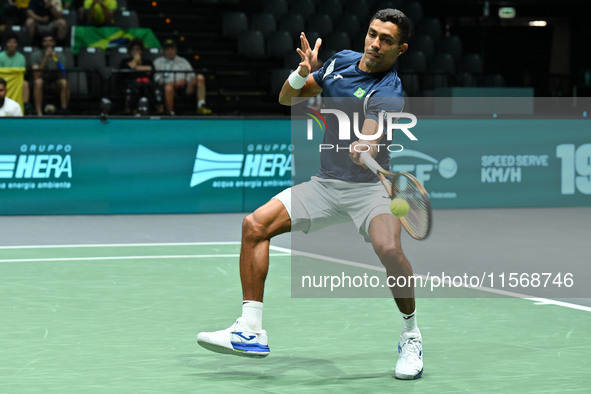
(252, 230)
(390, 254)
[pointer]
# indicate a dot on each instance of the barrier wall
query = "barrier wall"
(84, 166)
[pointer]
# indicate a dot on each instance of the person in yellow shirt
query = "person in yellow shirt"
(100, 12)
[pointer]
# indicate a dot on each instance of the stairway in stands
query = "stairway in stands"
(235, 85)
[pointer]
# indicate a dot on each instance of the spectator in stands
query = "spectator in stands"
(168, 74)
(137, 77)
(50, 71)
(45, 16)
(8, 107)
(13, 12)
(100, 12)
(10, 58)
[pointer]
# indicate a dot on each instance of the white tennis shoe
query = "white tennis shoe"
(239, 340)
(410, 361)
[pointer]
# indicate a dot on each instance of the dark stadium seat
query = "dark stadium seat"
(332, 8)
(277, 8)
(413, 61)
(337, 41)
(278, 77)
(71, 17)
(414, 11)
(279, 43)
(410, 84)
(357, 8)
(305, 8)
(265, 23)
(27, 51)
(430, 27)
(451, 45)
(291, 59)
(126, 19)
(424, 44)
(23, 36)
(251, 44)
(91, 58)
(350, 24)
(115, 56)
(466, 79)
(381, 4)
(293, 23)
(443, 63)
(494, 80)
(234, 24)
(153, 53)
(471, 63)
(93, 61)
(321, 24)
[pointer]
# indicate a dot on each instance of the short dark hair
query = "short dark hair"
(45, 35)
(10, 36)
(398, 18)
(3, 82)
(135, 42)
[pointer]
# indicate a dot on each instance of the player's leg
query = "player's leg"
(384, 232)
(169, 97)
(64, 92)
(246, 336)
(38, 95)
(31, 25)
(257, 230)
(26, 94)
(201, 108)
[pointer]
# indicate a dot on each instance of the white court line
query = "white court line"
(100, 258)
(536, 300)
(118, 245)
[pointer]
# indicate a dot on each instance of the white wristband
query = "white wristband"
(295, 80)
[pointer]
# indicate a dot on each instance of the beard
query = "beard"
(1, 102)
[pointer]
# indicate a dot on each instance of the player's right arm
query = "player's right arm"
(290, 95)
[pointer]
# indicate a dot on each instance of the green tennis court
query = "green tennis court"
(123, 319)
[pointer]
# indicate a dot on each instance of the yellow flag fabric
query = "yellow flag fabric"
(14, 83)
(22, 3)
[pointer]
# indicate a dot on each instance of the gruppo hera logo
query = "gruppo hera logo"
(37, 166)
(447, 167)
(345, 126)
(253, 169)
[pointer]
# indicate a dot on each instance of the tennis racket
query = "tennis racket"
(418, 221)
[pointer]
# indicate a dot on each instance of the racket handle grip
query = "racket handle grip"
(370, 162)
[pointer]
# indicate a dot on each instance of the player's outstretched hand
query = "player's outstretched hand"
(309, 56)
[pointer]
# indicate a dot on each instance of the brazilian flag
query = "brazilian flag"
(110, 37)
(14, 78)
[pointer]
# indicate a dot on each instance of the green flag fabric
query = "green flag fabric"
(110, 37)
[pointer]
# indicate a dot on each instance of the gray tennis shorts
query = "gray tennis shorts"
(320, 202)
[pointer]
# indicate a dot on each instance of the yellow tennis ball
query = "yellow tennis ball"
(399, 207)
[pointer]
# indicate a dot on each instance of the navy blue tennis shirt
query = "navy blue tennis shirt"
(368, 94)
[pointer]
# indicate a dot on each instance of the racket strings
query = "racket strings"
(418, 217)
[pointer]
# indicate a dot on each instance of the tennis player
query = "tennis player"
(369, 78)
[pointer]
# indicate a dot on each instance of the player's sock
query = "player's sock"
(252, 312)
(200, 103)
(409, 323)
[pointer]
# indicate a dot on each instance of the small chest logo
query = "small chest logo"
(359, 93)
